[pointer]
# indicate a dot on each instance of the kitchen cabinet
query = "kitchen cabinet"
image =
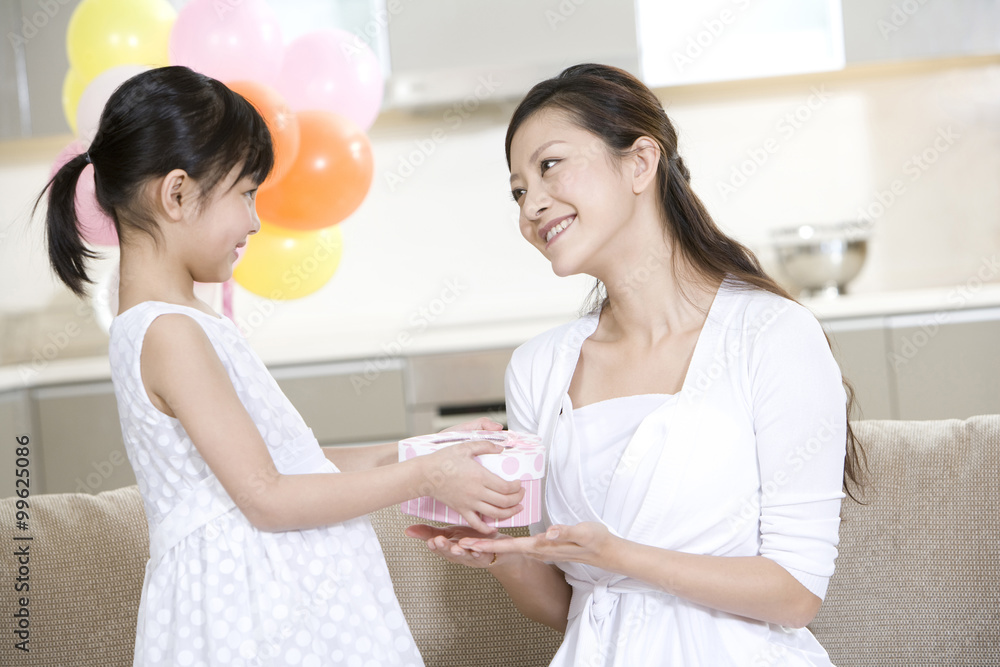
(80, 439)
(940, 365)
(886, 30)
(346, 403)
(77, 445)
(946, 365)
(16, 422)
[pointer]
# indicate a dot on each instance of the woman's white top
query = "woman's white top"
(746, 459)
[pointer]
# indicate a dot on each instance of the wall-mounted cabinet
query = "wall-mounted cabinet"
(723, 40)
(886, 30)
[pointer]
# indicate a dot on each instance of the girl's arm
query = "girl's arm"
(184, 378)
(538, 590)
(363, 457)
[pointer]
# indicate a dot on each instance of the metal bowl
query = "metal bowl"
(820, 259)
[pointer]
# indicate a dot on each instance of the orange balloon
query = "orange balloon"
(281, 121)
(329, 178)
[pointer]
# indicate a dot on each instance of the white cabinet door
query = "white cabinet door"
(15, 423)
(348, 403)
(723, 40)
(881, 30)
(946, 365)
(80, 439)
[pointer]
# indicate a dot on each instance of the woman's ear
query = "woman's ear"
(175, 194)
(645, 159)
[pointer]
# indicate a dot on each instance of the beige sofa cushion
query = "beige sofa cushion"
(88, 557)
(917, 581)
(918, 576)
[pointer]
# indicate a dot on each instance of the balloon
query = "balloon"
(228, 40)
(329, 178)
(288, 264)
(105, 33)
(73, 87)
(95, 96)
(335, 71)
(281, 120)
(96, 227)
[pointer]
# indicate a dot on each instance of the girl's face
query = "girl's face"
(572, 196)
(226, 220)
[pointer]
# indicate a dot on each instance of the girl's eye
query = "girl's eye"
(251, 193)
(548, 164)
(517, 194)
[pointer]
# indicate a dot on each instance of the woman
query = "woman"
(695, 418)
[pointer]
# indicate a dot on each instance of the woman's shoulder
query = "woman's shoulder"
(760, 310)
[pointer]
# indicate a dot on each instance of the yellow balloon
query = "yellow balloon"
(284, 264)
(106, 33)
(73, 87)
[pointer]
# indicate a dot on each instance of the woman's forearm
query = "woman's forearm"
(539, 591)
(754, 586)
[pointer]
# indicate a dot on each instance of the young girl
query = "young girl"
(695, 418)
(259, 555)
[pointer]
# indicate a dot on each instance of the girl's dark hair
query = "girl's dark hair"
(615, 106)
(162, 119)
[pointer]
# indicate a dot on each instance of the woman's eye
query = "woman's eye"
(517, 194)
(548, 164)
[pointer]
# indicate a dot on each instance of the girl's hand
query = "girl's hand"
(481, 424)
(444, 542)
(454, 477)
(587, 543)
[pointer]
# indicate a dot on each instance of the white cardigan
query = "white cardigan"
(749, 461)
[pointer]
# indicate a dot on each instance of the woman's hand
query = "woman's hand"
(481, 424)
(453, 476)
(589, 543)
(444, 542)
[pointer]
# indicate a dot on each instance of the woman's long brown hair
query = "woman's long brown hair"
(615, 106)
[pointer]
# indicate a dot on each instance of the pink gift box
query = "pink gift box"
(522, 459)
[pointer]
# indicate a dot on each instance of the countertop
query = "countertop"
(278, 348)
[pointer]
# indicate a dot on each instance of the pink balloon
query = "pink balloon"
(228, 41)
(96, 227)
(95, 96)
(333, 70)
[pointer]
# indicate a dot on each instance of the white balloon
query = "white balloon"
(95, 96)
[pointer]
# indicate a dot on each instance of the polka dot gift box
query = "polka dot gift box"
(523, 459)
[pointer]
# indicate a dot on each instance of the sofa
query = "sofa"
(917, 580)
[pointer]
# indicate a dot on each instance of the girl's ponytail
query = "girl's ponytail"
(68, 253)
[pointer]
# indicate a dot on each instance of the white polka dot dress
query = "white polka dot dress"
(217, 591)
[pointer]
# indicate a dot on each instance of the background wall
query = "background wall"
(439, 222)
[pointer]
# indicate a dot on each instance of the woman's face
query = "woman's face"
(570, 190)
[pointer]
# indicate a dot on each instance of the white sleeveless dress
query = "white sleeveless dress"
(217, 591)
